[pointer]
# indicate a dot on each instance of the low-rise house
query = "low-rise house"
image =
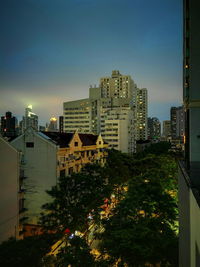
(46, 156)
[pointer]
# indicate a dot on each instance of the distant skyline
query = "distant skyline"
(51, 51)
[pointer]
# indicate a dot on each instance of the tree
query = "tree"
(74, 198)
(26, 252)
(143, 227)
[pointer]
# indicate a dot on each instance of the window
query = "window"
(99, 142)
(29, 144)
(75, 143)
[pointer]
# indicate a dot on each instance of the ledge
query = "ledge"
(188, 181)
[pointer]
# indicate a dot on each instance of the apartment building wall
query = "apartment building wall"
(117, 86)
(77, 116)
(154, 128)
(166, 128)
(9, 179)
(39, 163)
(142, 113)
(189, 176)
(189, 214)
(118, 129)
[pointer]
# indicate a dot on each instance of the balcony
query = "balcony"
(189, 219)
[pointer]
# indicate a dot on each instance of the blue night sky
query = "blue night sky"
(52, 50)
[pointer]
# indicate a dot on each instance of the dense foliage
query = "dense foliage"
(143, 228)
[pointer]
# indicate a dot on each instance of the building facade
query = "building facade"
(118, 129)
(166, 133)
(141, 114)
(154, 128)
(177, 123)
(61, 129)
(9, 183)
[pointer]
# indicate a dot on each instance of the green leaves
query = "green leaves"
(73, 199)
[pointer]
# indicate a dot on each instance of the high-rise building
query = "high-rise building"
(52, 127)
(8, 125)
(77, 116)
(29, 120)
(61, 130)
(177, 122)
(117, 86)
(116, 98)
(154, 128)
(180, 124)
(166, 129)
(118, 129)
(141, 114)
(173, 119)
(189, 171)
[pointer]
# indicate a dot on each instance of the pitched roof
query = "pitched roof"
(61, 139)
(88, 139)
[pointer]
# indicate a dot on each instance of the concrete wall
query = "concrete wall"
(40, 170)
(189, 223)
(9, 175)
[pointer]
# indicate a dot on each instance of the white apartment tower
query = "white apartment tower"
(117, 86)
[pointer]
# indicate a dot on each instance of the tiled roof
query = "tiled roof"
(88, 139)
(61, 139)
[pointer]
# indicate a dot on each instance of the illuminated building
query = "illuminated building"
(29, 120)
(177, 122)
(52, 127)
(141, 114)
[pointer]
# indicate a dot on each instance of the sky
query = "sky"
(51, 51)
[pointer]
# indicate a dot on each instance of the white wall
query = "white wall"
(40, 169)
(9, 173)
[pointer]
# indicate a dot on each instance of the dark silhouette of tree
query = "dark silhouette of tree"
(27, 252)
